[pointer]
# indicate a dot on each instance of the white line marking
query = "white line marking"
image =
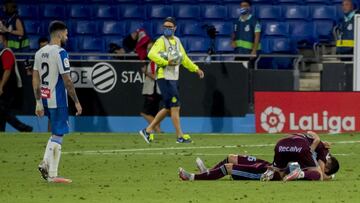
(181, 148)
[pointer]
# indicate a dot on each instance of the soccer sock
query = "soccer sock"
(213, 174)
(47, 152)
(311, 175)
(223, 162)
(54, 158)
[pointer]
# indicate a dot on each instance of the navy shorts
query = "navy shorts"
(169, 92)
(59, 120)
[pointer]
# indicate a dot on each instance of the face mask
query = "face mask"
(168, 32)
(244, 11)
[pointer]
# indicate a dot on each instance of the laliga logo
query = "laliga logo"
(272, 120)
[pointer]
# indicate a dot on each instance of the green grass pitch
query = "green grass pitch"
(109, 167)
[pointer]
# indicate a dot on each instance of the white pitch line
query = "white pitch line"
(182, 148)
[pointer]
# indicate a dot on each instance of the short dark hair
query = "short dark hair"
(56, 26)
(171, 20)
(246, 1)
(334, 166)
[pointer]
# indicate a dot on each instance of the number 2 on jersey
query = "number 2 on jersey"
(44, 77)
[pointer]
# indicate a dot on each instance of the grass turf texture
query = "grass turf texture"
(123, 168)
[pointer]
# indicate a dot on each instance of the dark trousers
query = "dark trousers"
(6, 116)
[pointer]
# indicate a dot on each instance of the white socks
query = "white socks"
(52, 156)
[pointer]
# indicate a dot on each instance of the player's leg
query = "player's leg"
(157, 120)
(213, 174)
(175, 117)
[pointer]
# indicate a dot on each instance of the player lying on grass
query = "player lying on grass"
(240, 167)
(314, 161)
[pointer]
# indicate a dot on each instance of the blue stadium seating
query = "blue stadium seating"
(131, 11)
(280, 45)
(263, 1)
(106, 12)
(32, 26)
(197, 44)
(290, 1)
(85, 27)
(234, 11)
(214, 12)
(112, 39)
(54, 11)
(323, 13)
(113, 28)
(302, 32)
(181, 1)
(160, 11)
(296, 12)
(80, 11)
(28, 11)
(187, 11)
(317, 2)
(34, 45)
(133, 25)
(192, 28)
(91, 44)
(224, 28)
(223, 45)
(269, 12)
(276, 28)
(323, 30)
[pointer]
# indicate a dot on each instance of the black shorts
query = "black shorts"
(169, 92)
(151, 104)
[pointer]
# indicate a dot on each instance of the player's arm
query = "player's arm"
(153, 54)
(316, 140)
(188, 64)
(39, 108)
(64, 70)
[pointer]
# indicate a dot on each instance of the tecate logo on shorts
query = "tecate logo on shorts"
(273, 120)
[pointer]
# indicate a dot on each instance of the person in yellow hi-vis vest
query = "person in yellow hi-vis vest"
(168, 53)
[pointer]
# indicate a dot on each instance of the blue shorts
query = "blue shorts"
(59, 120)
(169, 92)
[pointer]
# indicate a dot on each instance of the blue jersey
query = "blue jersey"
(51, 62)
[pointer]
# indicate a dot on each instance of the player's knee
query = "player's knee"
(232, 158)
(229, 167)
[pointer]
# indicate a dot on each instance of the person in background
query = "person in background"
(13, 27)
(344, 31)
(10, 81)
(151, 93)
(246, 32)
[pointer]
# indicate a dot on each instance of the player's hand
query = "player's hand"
(39, 108)
(78, 109)
(143, 69)
(200, 73)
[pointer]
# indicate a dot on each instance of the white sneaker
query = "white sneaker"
(201, 166)
(293, 175)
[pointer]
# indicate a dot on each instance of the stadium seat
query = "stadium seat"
(296, 12)
(159, 11)
(214, 12)
(302, 32)
(290, 1)
(34, 45)
(91, 44)
(323, 30)
(223, 28)
(261, 2)
(130, 11)
(113, 28)
(180, 1)
(112, 39)
(106, 12)
(197, 44)
(234, 11)
(85, 27)
(276, 29)
(126, 1)
(320, 2)
(32, 27)
(323, 13)
(80, 11)
(28, 11)
(187, 11)
(269, 12)
(133, 25)
(192, 28)
(72, 45)
(280, 45)
(157, 28)
(54, 11)
(223, 45)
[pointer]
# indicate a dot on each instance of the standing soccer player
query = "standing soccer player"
(51, 84)
(167, 76)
